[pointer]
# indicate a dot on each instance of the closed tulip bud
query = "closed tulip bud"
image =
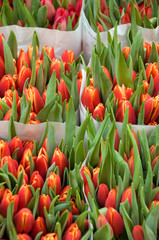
(128, 9)
(90, 98)
(62, 88)
(102, 5)
(25, 195)
(68, 56)
(95, 176)
(7, 82)
(111, 199)
(151, 109)
(156, 198)
(102, 221)
(44, 201)
(74, 208)
(23, 236)
(148, 48)
(87, 189)
(55, 65)
(152, 69)
(131, 165)
(102, 194)
(2, 67)
(7, 198)
(61, 12)
(24, 74)
(79, 82)
(106, 71)
(63, 194)
(78, 7)
(36, 180)
(49, 51)
(30, 51)
(38, 226)
(50, 8)
(25, 161)
(72, 232)
(25, 178)
(4, 149)
(33, 94)
(12, 164)
(154, 162)
(83, 171)
(60, 24)
(50, 236)
(14, 144)
(121, 111)
(22, 59)
(125, 19)
(146, 11)
(54, 181)
(69, 220)
(126, 51)
(115, 220)
(60, 161)
(23, 221)
(127, 195)
(42, 162)
(138, 233)
(99, 111)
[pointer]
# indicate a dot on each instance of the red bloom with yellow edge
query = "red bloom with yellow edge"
(4, 149)
(54, 181)
(148, 48)
(95, 176)
(62, 88)
(55, 65)
(72, 233)
(99, 111)
(7, 82)
(23, 236)
(12, 164)
(60, 160)
(44, 201)
(36, 180)
(23, 221)
(24, 74)
(2, 67)
(25, 160)
(25, 195)
(38, 226)
(152, 69)
(22, 59)
(30, 51)
(121, 112)
(50, 236)
(127, 195)
(42, 162)
(14, 144)
(83, 171)
(49, 51)
(126, 51)
(63, 194)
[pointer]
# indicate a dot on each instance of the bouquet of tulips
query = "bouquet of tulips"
(37, 87)
(41, 193)
(62, 15)
(120, 79)
(121, 183)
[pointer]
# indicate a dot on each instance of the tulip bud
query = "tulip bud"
(102, 221)
(121, 111)
(50, 236)
(138, 233)
(42, 162)
(28, 4)
(83, 171)
(130, 163)
(126, 51)
(49, 51)
(115, 220)
(152, 69)
(44, 201)
(60, 160)
(127, 195)
(90, 98)
(111, 199)
(146, 11)
(2, 189)
(148, 48)
(128, 9)
(154, 203)
(7, 198)
(1, 46)
(25, 195)
(72, 232)
(4, 149)
(99, 111)
(95, 176)
(60, 22)
(68, 56)
(63, 194)
(14, 144)
(2, 67)
(54, 181)
(23, 236)
(62, 88)
(55, 65)
(69, 220)
(30, 51)
(125, 19)
(22, 59)
(74, 208)
(38, 226)
(50, 8)
(102, 194)
(23, 221)
(24, 74)
(7, 82)
(25, 160)
(36, 180)
(12, 164)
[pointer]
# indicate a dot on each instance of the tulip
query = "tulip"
(33, 94)
(126, 51)
(12, 164)
(154, 162)
(20, 23)
(55, 65)
(25, 195)
(44, 201)
(121, 111)
(127, 195)
(28, 144)
(23, 236)
(23, 221)
(83, 171)
(62, 88)
(69, 220)
(36, 180)
(4, 149)
(115, 220)
(78, 7)
(90, 98)
(22, 59)
(50, 8)
(49, 51)
(60, 161)
(146, 11)
(24, 74)
(102, 194)
(102, 5)
(60, 24)
(72, 232)
(30, 51)
(148, 48)
(74, 208)
(131, 166)
(125, 19)
(14, 144)
(100, 27)
(156, 85)
(138, 233)
(54, 181)
(68, 56)
(111, 199)
(42, 162)
(7, 198)
(122, 93)
(95, 176)
(152, 69)
(87, 189)
(7, 82)
(50, 236)
(152, 150)
(99, 111)
(25, 178)
(61, 12)
(38, 226)
(63, 194)
(25, 160)
(128, 8)
(102, 221)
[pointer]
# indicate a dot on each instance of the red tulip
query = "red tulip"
(55, 65)
(25, 178)
(38, 226)
(152, 69)
(69, 220)
(49, 51)
(74, 208)
(68, 56)
(95, 176)
(25, 195)
(130, 163)
(115, 220)
(126, 51)
(14, 144)
(44, 201)
(138, 233)
(102, 221)
(30, 51)
(62, 88)
(62, 22)
(42, 162)
(72, 232)
(102, 194)
(23, 221)
(50, 236)
(83, 171)
(1, 46)
(2, 67)
(36, 180)
(22, 59)
(54, 181)
(50, 8)
(4, 149)
(128, 9)
(121, 111)
(61, 12)
(23, 236)
(99, 111)
(148, 48)
(153, 203)
(25, 160)
(111, 199)
(78, 7)
(2, 189)
(60, 161)
(24, 74)
(64, 193)
(12, 164)
(7, 198)
(127, 195)
(7, 82)
(125, 19)
(146, 11)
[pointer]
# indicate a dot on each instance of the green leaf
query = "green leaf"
(40, 80)
(148, 234)
(10, 226)
(30, 20)
(8, 59)
(81, 221)
(7, 15)
(24, 117)
(87, 235)
(11, 129)
(33, 74)
(42, 15)
(51, 142)
(58, 230)
(63, 220)
(51, 88)
(55, 113)
(80, 153)
(12, 43)
(152, 219)
(103, 233)
(141, 114)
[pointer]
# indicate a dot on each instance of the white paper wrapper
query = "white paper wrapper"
(89, 36)
(83, 112)
(60, 40)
